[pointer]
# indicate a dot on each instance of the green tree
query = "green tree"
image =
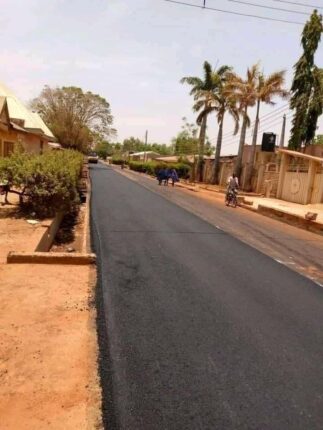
(307, 86)
(133, 144)
(267, 88)
(162, 148)
(221, 101)
(75, 117)
(202, 90)
(186, 142)
(318, 139)
(104, 149)
(244, 91)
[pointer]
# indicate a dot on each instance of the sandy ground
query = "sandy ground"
(48, 345)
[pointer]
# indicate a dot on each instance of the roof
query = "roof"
(143, 153)
(189, 158)
(17, 110)
(2, 103)
(169, 159)
(55, 145)
(4, 115)
(300, 155)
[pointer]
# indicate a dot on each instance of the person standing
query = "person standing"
(4, 190)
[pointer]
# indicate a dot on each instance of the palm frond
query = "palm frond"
(272, 86)
(223, 70)
(207, 75)
(194, 81)
(205, 112)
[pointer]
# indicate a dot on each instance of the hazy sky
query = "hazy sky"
(134, 52)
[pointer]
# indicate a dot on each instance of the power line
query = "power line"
(269, 7)
(267, 117)
(299, 4)
(274, 123)
(182, 3)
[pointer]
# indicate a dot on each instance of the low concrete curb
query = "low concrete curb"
(292, 219)
(288, 218)
(47, 258)
(51, 229)
(86, 242)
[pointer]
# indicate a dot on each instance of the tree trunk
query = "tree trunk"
(217, 153)
(201, 149)
(253, 150)
(238, 164)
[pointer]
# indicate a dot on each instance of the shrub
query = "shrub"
(152, 167)
(47, 183)
(118, 161)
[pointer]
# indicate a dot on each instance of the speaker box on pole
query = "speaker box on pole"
(268, 142)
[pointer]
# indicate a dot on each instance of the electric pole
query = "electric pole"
(146, 139)
(282, 136)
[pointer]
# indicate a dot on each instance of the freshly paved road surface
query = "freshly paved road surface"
(203, 331)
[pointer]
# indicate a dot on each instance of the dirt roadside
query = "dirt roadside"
(48, 343)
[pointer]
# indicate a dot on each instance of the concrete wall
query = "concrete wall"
(315, 150)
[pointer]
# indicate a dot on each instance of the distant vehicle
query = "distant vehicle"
(93, 158)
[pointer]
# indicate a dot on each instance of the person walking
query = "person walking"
(174, 176)
(160, 176)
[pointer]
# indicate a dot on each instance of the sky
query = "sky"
(134, 53)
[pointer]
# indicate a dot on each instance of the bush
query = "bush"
(118, 161)
(47, 183)
(152, 167)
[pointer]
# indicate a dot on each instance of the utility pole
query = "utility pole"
(146, 139)
(282, 136)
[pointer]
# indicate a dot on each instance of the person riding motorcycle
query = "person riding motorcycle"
(233, 185)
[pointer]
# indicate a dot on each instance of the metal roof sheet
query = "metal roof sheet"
(17, 110)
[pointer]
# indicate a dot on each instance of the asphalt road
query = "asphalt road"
(197, 329)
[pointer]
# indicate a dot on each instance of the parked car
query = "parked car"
(93, 158)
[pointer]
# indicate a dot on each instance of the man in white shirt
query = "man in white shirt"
(233, 182)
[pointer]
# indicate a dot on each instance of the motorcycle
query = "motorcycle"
(231, 198)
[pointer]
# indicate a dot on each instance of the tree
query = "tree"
(307, 86)
(133, 144)
(318, 139)
(104, 149)
(186, 142)
(75, 117)
(244, 91)
(267, 88)
(221, 102)
(202, 90)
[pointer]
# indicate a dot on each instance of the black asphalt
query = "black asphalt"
(197, 329)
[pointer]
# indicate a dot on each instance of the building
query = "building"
(19, 125)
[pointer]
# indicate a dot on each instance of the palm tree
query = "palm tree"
(202, 90)
(221, 102)
(245, 92)
(267, 88)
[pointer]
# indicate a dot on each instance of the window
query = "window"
(8, 148)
